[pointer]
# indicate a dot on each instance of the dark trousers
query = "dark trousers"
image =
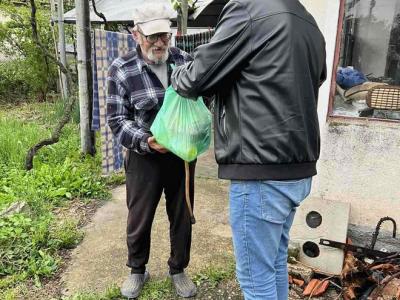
(147, 176)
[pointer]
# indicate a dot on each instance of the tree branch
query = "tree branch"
(44, 49)
(55, 136)
(99, 14)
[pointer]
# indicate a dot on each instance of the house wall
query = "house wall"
(360, 160)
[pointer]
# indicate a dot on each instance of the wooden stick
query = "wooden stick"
(187, 193)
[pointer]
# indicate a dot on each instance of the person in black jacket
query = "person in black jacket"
(265, 64)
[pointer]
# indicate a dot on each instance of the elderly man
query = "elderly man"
(136, 87)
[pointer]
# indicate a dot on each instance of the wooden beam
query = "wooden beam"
(84, 76)
(61, 47)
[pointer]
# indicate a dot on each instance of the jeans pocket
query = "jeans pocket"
(275, 209)
(279, 198)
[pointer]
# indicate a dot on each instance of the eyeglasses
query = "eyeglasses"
(153, 38)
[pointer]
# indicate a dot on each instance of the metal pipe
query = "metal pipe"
(378, 228)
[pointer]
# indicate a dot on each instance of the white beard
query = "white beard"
(156, 60)
(149, 53)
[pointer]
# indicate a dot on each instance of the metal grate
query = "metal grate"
(385, 97)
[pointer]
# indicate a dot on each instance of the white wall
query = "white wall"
(360, 160)
(326, 13)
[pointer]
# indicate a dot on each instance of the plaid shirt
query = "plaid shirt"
(134, 96)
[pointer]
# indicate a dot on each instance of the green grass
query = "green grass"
(213, 276)
(162, 289)
(15, 138)
(30, 240)
(116, 179)
(112, 293)
(157, 289)
(65, 234)
(22, 127)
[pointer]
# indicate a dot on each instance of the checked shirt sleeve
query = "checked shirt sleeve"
(120, 114)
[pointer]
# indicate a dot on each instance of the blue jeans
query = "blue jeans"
(261, 214)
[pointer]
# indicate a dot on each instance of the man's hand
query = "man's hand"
(155, 146)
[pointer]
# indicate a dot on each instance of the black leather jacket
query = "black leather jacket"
(265, 64)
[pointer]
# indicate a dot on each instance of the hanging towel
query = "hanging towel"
(107, 47)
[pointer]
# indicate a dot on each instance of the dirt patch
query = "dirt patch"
(228, 289)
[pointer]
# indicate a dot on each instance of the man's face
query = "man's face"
(154, 47)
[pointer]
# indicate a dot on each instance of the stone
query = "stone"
(13, 209)
(299, 271)
(293, 251)
(362, 236)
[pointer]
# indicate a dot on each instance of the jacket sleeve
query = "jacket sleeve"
(213, 62)
(324, 69)
(323, 75)
(120, 117)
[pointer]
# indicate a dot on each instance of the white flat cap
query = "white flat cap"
(153, 17)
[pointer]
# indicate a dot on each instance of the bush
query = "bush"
(28, 72)
(13, 85)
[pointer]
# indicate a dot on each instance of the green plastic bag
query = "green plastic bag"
(183, 126)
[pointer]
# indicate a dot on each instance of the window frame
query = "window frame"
(332, 92)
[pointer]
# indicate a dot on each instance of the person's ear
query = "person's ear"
(136, 37)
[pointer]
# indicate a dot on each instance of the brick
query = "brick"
(310, 287)
(321, 288)
(298, 282)
(316, 287)
(290, 279)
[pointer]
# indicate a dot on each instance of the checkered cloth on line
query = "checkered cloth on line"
(107, 47)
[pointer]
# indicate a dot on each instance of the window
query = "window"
(368, 74)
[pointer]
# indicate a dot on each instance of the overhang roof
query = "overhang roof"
(120, 11)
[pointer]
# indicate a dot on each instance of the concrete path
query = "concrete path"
(99, 261)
